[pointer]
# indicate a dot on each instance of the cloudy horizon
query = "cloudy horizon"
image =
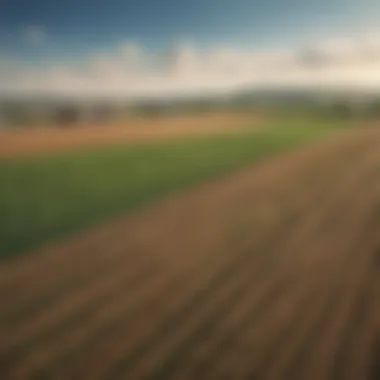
(42, 62)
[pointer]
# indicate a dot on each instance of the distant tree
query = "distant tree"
(67, 115)
(16, 115)
(375, 109)
(342, 109)
(103, 113)
(150, 109)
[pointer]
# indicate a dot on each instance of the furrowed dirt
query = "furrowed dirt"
(272, 273)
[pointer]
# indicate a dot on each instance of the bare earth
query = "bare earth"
(46, 140)
(273, 273)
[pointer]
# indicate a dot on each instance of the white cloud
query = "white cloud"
(129, 72)
(130, 53)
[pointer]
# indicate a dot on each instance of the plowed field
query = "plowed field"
(272, 273)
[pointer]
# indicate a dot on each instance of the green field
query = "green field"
(47, 198)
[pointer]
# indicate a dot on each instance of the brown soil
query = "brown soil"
(272, 273)
(48, 140)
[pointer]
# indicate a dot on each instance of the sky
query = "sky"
(154, 47)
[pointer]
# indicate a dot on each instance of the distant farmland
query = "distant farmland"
(55, 138)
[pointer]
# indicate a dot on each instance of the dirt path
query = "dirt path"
(272, 273)
(48, 140)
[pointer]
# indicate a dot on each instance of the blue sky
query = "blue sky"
(77, 27)
(154, 46)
